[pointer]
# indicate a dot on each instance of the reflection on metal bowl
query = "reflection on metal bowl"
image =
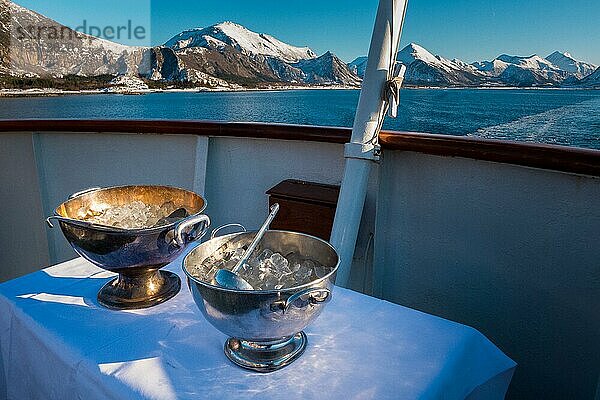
(265, 327)
(135, 254)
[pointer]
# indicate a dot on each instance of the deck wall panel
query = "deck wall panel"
(24, 247)
(512, 251)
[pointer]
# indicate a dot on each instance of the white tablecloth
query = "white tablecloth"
(57, 343)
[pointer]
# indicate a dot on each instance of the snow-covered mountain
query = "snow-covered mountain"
(558, 69)
(327, 69)
(26, 51)
(566, 62)
(359, 65)
(522, 71)
(592, 80)
(491, 68)
(413, 52)
(231, 52)
(247, 42)
(426, 69)
(423, 68)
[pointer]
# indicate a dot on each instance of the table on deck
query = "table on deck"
(58, 343)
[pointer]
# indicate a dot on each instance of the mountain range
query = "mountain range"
(556, 70)
(222, 55)
(230, 55)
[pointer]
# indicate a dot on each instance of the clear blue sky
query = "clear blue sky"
(467, 29)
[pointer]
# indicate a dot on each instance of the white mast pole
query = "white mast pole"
(363, 149)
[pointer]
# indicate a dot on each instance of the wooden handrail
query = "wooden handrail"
(177, 127)
(543, 156)
(536, 155)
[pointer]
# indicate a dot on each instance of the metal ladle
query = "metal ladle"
(231, 279)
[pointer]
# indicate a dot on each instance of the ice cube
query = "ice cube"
(278, 261)
(166, 209)
(238, 253)
(134, 215)
(294, 258)
(266, 254)
(303, 273)
(321, 271)
(247, 270)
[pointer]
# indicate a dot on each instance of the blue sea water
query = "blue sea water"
(566, 117)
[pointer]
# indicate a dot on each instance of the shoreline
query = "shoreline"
(47, 92)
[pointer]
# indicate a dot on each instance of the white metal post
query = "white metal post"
(361, 151)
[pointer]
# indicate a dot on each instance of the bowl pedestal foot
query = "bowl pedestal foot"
(265, 356)
(139, 290)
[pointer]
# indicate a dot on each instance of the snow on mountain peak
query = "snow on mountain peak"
(18, 13)
(414, 52)
(533, 61)
(230, 23)
(503, 61)
(242, 39)
(567, 62)
(522, 70)
(558, 54)
(68, 52)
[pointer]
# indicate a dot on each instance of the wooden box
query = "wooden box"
(305, 207)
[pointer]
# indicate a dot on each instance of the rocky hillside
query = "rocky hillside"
(327, 69)
(4, 36)
(36, 46)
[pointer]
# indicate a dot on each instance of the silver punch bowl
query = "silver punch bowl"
(137, 255)
(264, 326)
